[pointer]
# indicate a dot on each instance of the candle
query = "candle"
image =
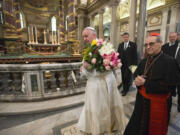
(32, 34)
(29, 35)
(36, 35)
(45, 37)
(55, 38)
(52, 38)
(58, 37)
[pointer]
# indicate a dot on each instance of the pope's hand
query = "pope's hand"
(139, 80)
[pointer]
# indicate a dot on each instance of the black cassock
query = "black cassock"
(160, 78)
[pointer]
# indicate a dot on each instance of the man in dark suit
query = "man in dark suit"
(169, 48)
(176, 54)
(128, 56)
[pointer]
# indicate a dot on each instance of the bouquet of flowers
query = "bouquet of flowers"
(101, 56)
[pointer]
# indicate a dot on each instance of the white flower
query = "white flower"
(90, 54)
(133, 68)
(107, 48)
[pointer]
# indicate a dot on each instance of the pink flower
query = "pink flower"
(117, 54)
(119, 65)
(93, 61)
(106, 62)
(107, 67)
(100, 42)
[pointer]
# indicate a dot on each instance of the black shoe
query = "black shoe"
(119, 86)
(123, 93)
(178, 108)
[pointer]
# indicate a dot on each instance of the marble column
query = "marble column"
(141, 26)
(164, 24)
(91, 18)
(71, 21)
(132, 20)
(101, 12)
(113, 34)
(61, 22)
(80, 28)
(174, 19)
(118, 33)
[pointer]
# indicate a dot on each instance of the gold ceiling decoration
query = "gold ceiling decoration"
(39, 14)
(38, 3)
(41, 5)
(26, 4)
(155, 3)
(124, 7)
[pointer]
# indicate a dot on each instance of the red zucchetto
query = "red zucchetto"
(154, 34)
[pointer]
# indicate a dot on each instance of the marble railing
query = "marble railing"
(39, 81)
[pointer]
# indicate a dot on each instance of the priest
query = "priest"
(154, 78)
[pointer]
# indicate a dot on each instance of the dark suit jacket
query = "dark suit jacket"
(128, 56)
(170, 50)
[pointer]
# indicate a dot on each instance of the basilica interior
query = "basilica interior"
(41, 45)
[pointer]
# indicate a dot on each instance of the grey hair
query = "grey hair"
(91, 29)
(172, 33)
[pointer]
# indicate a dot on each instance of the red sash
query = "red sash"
(158, 118)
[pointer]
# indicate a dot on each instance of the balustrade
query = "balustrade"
(39, 81)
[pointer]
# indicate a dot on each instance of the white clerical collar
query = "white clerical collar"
(170, 43)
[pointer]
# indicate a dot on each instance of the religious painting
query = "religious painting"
(154, 20)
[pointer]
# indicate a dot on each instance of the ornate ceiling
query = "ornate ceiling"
(39, 11)
(40, 5)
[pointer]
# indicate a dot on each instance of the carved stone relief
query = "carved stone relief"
(124, 27)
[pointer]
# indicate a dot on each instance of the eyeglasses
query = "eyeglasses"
(150, 44)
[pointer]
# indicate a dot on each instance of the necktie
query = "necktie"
(178, 56)
(125, 46)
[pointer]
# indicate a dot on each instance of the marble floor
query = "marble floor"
(173, 129)
(63, 121)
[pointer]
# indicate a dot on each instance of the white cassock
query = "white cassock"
(103, 108)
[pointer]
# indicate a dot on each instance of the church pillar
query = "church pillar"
(118, 33)
(132, 20)
(71, 21)
(101, 12)
(61, 22)
(17, 18)
(91, 18)
(141, 26)
(80, 28)
(113, 35)
(164, 24)
(12, 19)
(174, 19)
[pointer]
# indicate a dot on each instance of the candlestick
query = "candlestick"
(36, 35)
(45, 42)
